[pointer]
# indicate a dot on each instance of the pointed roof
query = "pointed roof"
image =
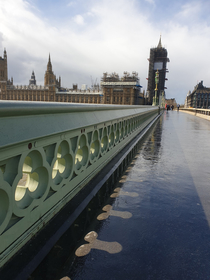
(159, 44)
(49, 65)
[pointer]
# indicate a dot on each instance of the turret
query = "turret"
(3, 68)
(5, 54)
(32, 81)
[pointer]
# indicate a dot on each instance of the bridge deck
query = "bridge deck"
(156, 223)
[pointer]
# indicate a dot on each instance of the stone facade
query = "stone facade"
(115, 90)
(50, 78)
(199, 97)
(3, 68)
(125, 90)
(79, 96)
(171, 101)
(51, 91)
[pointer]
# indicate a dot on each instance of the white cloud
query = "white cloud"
(71, 4)
(78, 19)
(151, 2)
(190, 10)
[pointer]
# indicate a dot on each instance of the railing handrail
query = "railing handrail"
(26, 121)
(195, 109)
(21, 108)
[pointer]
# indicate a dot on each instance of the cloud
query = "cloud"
(104, 36)
(151, 2)
(71, 4)
(78, 19)
(189, 13)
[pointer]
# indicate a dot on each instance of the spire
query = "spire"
(159, 44)
(49, 65)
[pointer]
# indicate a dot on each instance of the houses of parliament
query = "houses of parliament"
(115, 90)
(125, 90)
(50, 92)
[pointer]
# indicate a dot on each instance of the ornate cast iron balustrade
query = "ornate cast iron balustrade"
(48, 152)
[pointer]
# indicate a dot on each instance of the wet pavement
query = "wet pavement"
(155, 225)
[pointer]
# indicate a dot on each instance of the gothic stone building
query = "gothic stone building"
(115, 90)
(30, 92)
(199, 97)
(125, 90)
(51, 91)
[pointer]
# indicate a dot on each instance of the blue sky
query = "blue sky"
(86, 38)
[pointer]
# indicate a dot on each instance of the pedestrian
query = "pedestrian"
(178, 107)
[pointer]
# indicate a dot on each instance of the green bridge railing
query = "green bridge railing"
(48, 153)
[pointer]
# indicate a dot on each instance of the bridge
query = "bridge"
(145, 220)
(155, 222)
(49, 152)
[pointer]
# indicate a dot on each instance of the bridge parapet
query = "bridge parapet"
(202, 113)
(48, 153)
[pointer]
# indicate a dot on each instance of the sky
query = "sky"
(86, 38)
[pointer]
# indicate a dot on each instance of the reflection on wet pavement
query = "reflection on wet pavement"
(110, 212)
(94, 243)
(118, 192)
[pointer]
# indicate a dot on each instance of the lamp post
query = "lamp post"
(155, 98)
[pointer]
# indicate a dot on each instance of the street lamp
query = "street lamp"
(155, 98)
